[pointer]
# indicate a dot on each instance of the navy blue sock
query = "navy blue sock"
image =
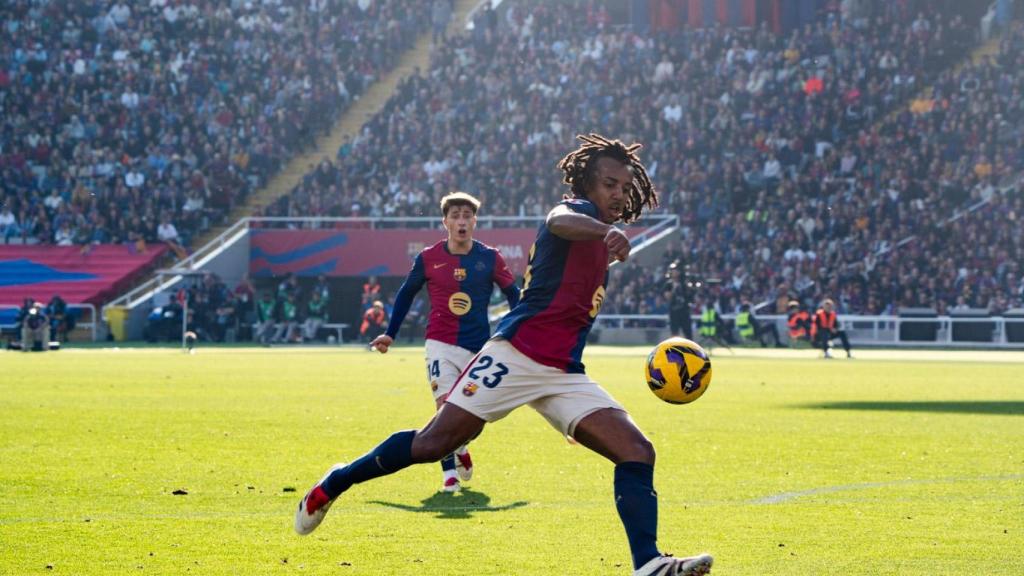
(388, 457)
(637, 503)
(448, 463)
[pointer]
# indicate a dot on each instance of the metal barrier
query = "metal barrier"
(90, 325)
(879, 330)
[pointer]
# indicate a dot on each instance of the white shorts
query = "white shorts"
(444, 364)
(500, 379)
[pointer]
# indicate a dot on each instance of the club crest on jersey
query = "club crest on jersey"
(459, 303)
(470, 389)
(433, 386)
(460, 274)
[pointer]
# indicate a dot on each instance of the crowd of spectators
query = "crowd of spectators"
(796, 163)
(915, 218)
(116, 117)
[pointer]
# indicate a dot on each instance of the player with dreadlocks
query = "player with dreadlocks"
(534, 358)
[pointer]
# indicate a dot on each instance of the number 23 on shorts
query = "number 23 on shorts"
(491, 371)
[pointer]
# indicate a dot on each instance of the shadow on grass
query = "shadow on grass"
(460, 504)
(998, 407)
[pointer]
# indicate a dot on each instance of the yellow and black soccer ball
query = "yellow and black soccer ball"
(678, 370)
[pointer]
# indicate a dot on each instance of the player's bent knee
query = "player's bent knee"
(641, 451)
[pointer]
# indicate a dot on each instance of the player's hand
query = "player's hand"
(382, 343)
(617, 243)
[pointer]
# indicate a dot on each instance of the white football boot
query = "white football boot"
(314, 506)
(667, 565)
(463, 464)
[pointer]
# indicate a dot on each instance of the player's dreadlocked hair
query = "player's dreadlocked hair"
(580, 164)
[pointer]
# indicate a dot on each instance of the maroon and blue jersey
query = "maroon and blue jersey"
(563, 289)
(460, 288)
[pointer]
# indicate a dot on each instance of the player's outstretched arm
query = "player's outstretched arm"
(403, 301)
(565, 223)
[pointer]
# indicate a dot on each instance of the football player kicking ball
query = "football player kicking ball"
(534, 358)
(459, 273)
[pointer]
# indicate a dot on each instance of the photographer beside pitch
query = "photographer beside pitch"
(35, 326)
(534, 358)
(460, 273)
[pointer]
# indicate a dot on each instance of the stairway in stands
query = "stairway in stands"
(347, 126)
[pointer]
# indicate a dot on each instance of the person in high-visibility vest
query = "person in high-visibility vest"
(750, 328)
(374, 321)
(826, 327)
(712, 328)
(708, 322)
(799, 323)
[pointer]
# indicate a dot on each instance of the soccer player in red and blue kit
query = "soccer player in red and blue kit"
(534, 358)
(460, 274)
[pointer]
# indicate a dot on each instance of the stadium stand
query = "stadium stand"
(117, 114)
(796, 163)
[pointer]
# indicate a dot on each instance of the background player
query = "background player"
(534, 358)
(459, 273)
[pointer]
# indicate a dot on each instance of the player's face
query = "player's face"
(460, 221)
(608, 188)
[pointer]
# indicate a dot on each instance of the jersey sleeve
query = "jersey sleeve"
(403, 300)
(502, 275)
(581, 206)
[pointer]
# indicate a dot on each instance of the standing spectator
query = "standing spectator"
(440, 14)
(371, 293)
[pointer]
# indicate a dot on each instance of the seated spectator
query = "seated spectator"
(168, 234)
(8, 224)
(316, 316)
(266, 318)
(288, 319)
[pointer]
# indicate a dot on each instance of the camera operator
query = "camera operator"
(679, 293)
(35, 326)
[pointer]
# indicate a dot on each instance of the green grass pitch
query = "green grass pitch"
(787, 466)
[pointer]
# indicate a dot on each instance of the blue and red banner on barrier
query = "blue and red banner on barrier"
(351, 252)
(77, 274)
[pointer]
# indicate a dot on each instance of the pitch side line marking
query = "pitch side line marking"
(787, 496)
(374, 507)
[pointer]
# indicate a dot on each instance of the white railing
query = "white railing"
(191, 263)
(90, 325)
(880, 330)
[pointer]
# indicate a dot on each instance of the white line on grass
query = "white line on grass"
(787, 496)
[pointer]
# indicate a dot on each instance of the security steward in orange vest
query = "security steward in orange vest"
(799, 323)
(374, 321)
(826, 327)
